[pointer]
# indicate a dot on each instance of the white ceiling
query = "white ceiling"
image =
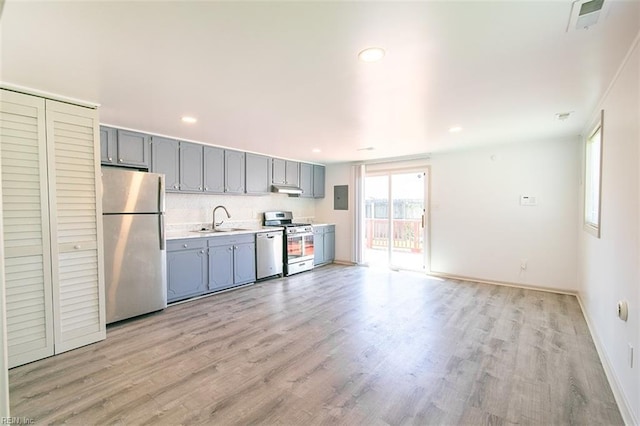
(282, 78)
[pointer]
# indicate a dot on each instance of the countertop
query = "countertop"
(179, 235)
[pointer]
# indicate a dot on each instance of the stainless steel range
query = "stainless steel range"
(298, 241)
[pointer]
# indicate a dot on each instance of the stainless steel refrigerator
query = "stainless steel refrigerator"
(134, 243)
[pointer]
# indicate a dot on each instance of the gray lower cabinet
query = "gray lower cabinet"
(165, 159)
(258, 172)
(232, 261)
(124, 148)
(187, 268)
(324, 244)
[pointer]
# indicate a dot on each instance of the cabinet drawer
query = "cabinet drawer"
(187, 244)
(322, 229)
(231, 239)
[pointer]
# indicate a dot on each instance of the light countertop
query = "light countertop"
(180, 234)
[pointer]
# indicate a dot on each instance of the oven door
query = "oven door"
(299, 247)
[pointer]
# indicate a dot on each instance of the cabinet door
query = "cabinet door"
(191, 167)
(220, 267)
(318, 181)
(186, 274)
(165, 159)
(292, 173)
(318, 246)
(234, 172)
(76, 226)
(306, 180)
(107, 145)
(329, 246)
(278, 172)
(244, 263)
(257, 177)
(133, 149)
(213, 169)
(27, 280)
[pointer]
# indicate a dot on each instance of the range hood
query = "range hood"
(286, 189)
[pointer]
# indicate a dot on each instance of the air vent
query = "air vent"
(587, 13)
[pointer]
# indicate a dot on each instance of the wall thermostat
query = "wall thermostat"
(528, 200)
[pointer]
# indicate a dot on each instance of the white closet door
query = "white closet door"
(76, 225)
(26, 228)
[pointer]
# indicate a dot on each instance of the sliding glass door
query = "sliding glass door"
(395, 219)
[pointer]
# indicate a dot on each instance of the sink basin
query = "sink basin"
(211, 231)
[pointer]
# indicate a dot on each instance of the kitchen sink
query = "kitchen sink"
(211, 231)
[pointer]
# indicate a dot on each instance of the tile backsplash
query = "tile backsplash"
(190, 211)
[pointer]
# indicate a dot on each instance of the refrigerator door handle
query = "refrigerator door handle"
(161, 194)
(161, 233)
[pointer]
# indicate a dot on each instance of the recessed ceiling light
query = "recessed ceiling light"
(190, 120)
(369, 148)
(316, 150)
(455, 129)
(371, 54)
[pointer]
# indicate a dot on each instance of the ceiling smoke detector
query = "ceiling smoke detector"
(586, 13)
(563, 115)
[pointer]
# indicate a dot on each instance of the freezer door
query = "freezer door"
(135, 265)
(127, 191)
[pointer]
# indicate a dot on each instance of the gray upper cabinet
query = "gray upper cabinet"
(257, 174)
(234, 172)
(107, 145)
(285, 172)
(165, 154)
(191, 167)
(124, 148)
(133, 149)
(213, 169)
(306, 180)
(318, 181)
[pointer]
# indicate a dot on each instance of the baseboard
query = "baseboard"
(503, 283)
(618, 394)
(344, 262)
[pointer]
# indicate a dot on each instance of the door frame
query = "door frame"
(426, 230)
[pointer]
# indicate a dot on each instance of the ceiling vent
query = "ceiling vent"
(587, 13)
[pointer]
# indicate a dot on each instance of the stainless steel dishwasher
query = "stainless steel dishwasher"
(268, 254)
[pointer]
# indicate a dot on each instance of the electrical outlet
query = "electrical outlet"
(630, 355)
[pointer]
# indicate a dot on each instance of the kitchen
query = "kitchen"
(508, 148)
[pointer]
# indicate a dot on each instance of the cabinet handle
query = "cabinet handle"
(201, 251)
(200, 188)
(206, 188)
(121, 160)
(175, 186)
(77, 247)
(110, 159)
(235, 247)
(230, 248)
(184, 245)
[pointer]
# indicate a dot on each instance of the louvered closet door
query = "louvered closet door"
(76, 231)
(26, 228)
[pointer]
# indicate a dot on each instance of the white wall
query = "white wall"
(338, 174)
(608, 267)
(193, 209)
(480, 230)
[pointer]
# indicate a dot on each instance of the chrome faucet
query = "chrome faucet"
(213, 223)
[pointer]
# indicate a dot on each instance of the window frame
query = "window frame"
(590, 226)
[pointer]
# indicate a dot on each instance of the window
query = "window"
(593, 179)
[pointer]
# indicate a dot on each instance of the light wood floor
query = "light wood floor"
(338, 345)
